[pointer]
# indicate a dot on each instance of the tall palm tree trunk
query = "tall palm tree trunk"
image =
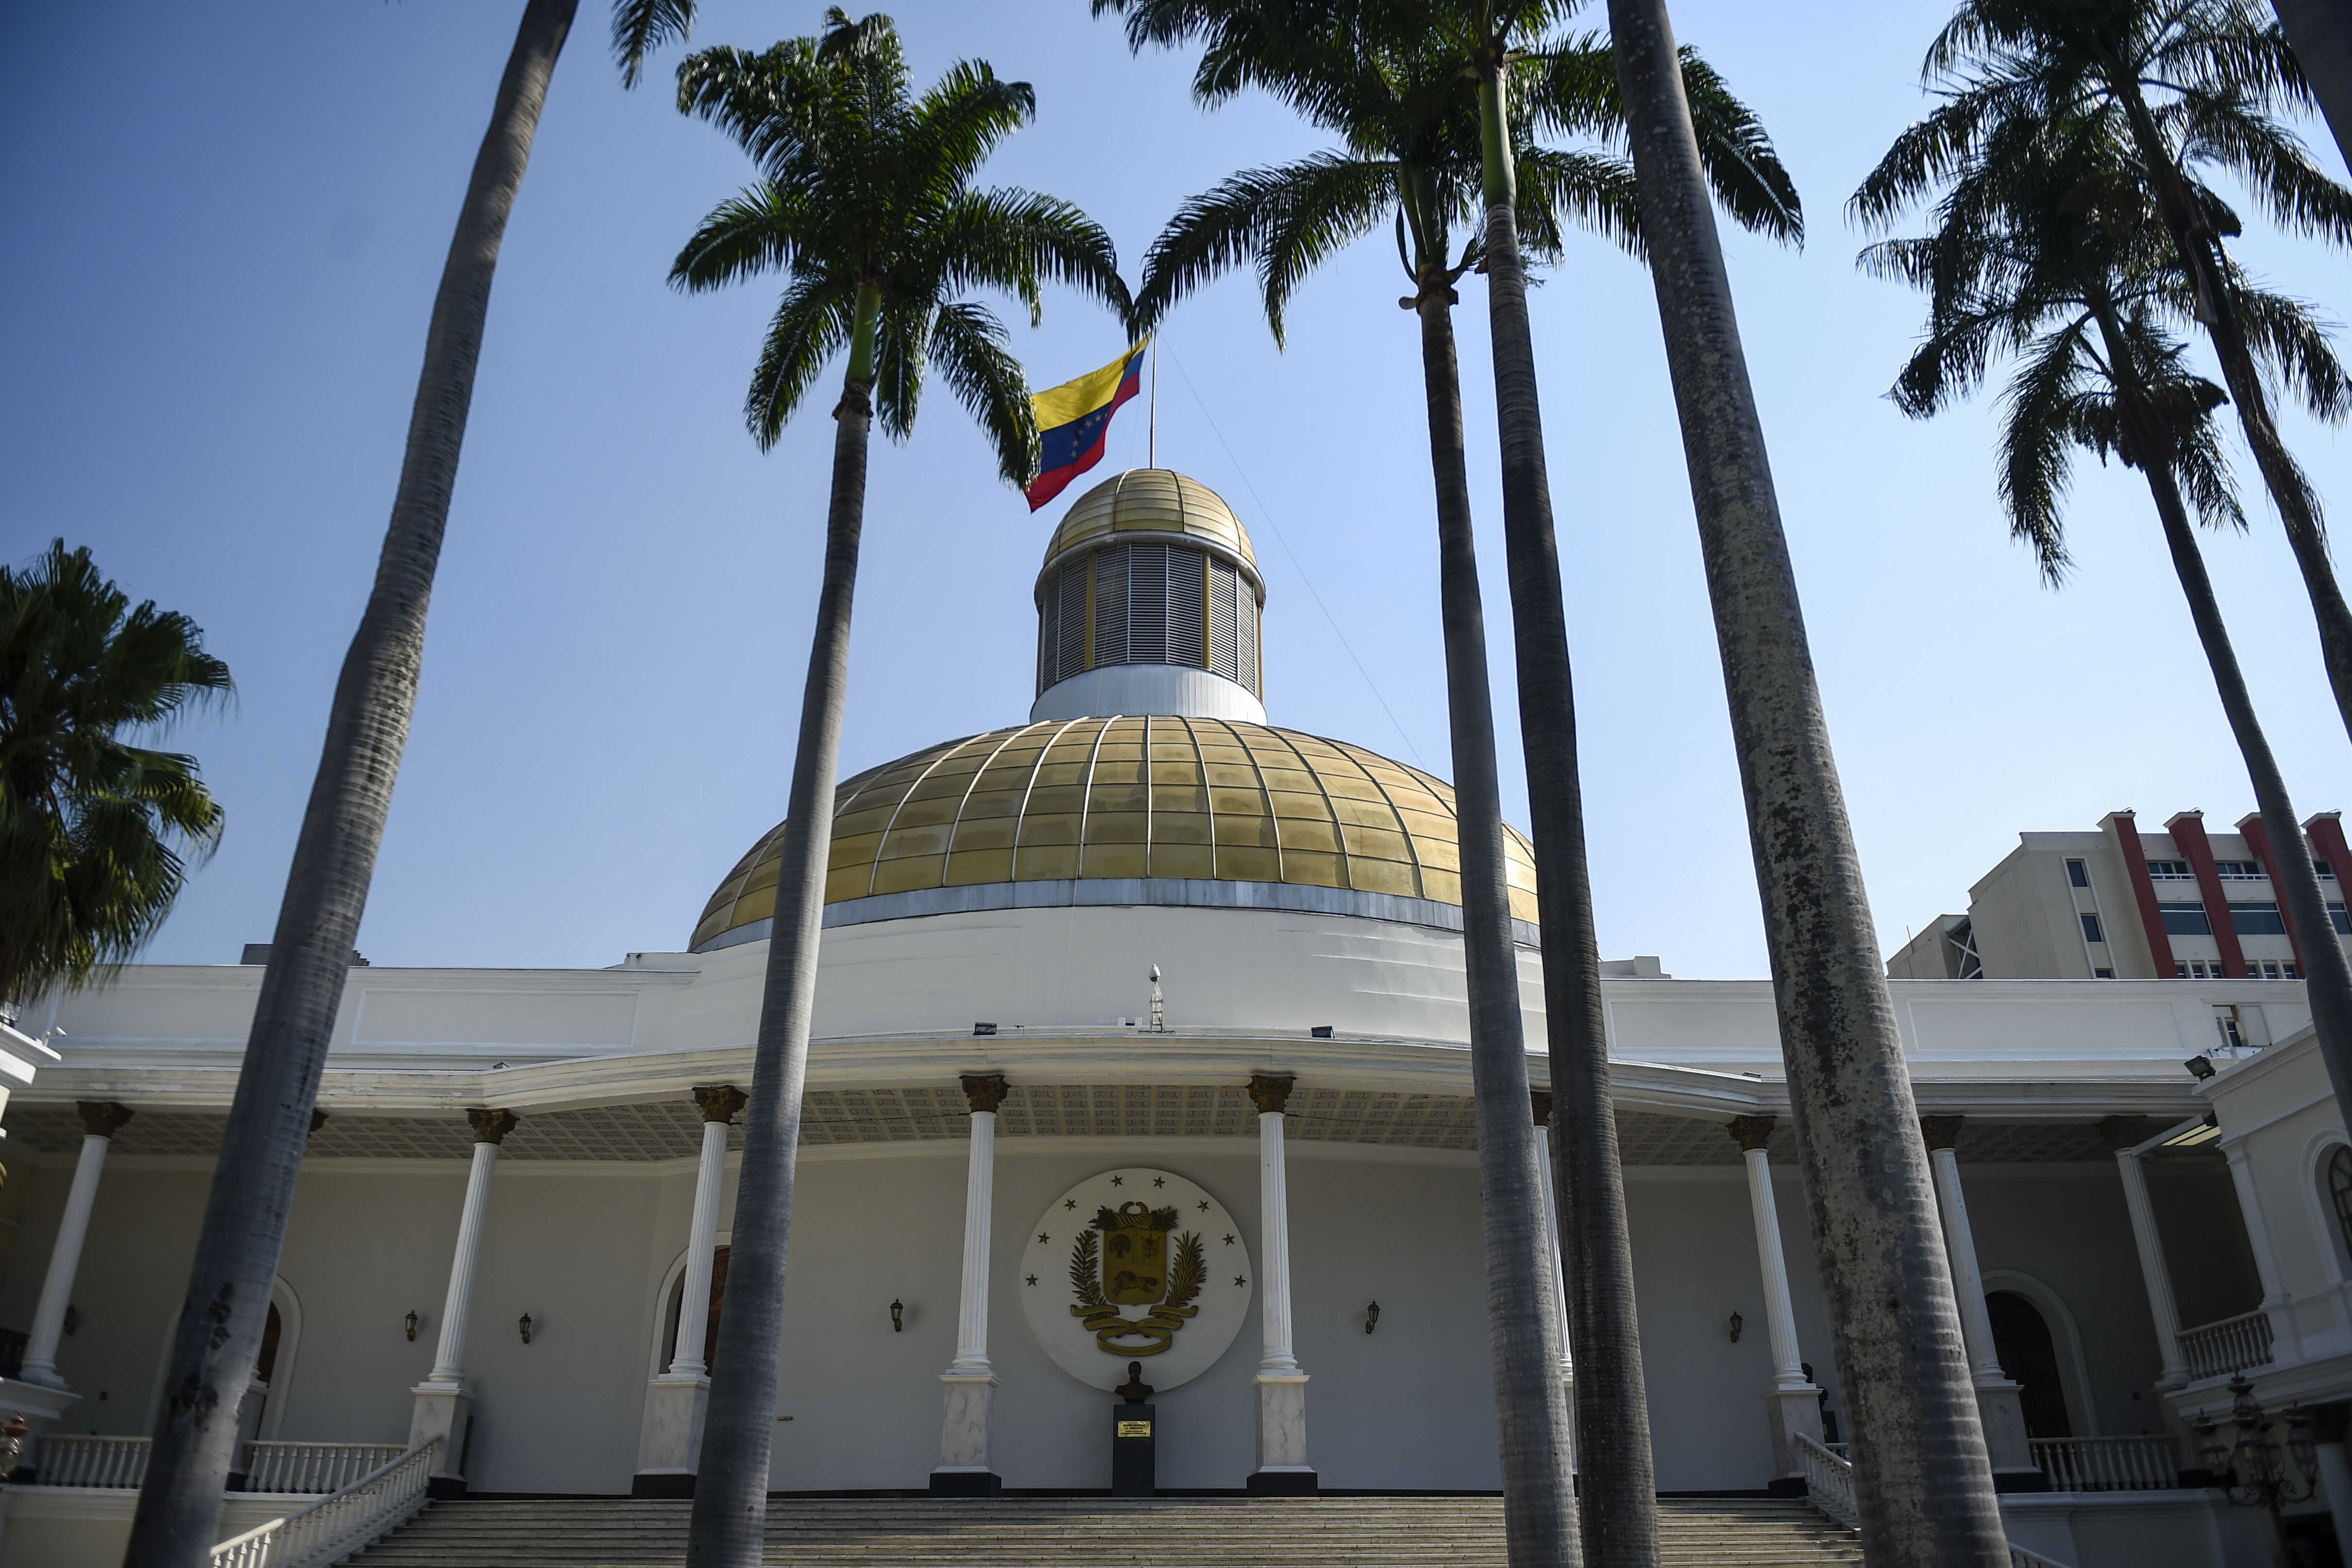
(1522, 1313)
(2217, 308)
(219, 1335)
(2327, 977)
(1922, 1478)
(731, 1491)
(1617, 1475)
(2321, 34)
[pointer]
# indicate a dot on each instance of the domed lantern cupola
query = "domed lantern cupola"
(1148, 603)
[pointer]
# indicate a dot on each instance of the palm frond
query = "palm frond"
(970, 346)
(811, 325)
(641, 27)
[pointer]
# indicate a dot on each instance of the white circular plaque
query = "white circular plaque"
(1136, 1265)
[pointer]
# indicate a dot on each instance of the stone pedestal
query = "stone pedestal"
(1789, 1412)
(675, 1406)
(444, 1410)
(1998, 1407)
(1134, 1463)
(1282, 1468)
(965, 1436)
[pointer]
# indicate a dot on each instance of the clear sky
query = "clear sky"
(222, 235)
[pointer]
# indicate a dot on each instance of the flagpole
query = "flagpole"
(1152, 440)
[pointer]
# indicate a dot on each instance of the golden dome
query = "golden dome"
(1152, 500)
(1198, 799)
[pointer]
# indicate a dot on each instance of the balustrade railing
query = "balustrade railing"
(2019, 1557)
(2233, 1345)
(313, 1467)
(339, 1525)
(1828, 1481)
(121, 1463)
(2109, 1464)
(63, 1460)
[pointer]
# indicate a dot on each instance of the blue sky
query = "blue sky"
(221, 250)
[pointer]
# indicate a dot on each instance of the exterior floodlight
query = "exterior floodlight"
(983, 1029)
(1320, 1031)
(2200, 1067)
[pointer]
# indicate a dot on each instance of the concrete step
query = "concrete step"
(1099, 1532)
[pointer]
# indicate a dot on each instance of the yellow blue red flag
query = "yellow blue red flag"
(1074, 419)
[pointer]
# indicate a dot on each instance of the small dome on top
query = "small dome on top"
(1152, 500)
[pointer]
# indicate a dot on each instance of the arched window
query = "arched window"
(2339, 1196)
(671, 1335)
(2021, 1339)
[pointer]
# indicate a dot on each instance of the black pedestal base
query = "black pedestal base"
(444, 1489)
(1134, 1464)
(966, 1483)
(1786, 1485)
(1284, 1483)
(670, 1484)
(2020, 1480)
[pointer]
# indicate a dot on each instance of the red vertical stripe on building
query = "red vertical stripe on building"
(2188, 831)
(2258, 839)
(2326, 831)
(2151, 919)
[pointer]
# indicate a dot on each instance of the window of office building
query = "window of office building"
(2257, 920)
(2091, 932)
(2240, 871)
(2079, 874)
(2185, 920)
(2172, 871)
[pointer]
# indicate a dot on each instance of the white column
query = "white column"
(444, 1403)
(718, 1103)
(1999, 1403)
(1791, 1405)
(2286, 1344)
(680, 1396)
(1281, 1388)
(99, 1119)
(2153, 1273)
(967, 1435)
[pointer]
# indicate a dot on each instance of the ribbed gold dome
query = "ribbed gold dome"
(1176, 798)
(1152, 500)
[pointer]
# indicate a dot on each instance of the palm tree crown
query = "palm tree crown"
(866, 191)
(92, 827)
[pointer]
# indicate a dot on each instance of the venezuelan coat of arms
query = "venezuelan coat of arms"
(1131, 1263)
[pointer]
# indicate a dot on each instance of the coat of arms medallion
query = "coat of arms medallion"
(1131, 1263)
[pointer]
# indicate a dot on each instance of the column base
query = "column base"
(675, 1405)
(948, 1481)
(1289, 1480)
(669, 1485)
(1998, 1407)
(1789, 1412)
(968, 1424)
(1281, 1424)
(444, 1410)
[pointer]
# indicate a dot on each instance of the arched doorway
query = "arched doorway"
(2028, 1353)
(670, 1324)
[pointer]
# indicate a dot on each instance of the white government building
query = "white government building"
(521, 1187)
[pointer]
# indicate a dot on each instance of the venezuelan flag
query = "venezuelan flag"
(1073, 420)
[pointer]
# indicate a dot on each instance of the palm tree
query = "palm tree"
(221, 1320)
(1395, 93)
(1922, 1478)
(92, 827)
(2169, 86)
(865, 205)
(2066, 267)
(2321, 32)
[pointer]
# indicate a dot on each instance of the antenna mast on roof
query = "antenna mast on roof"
(1152, 439)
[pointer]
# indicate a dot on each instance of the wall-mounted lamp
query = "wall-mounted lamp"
(1735, 1328)
(2200, 1067)
(73, 1318)
(410, 1323)
(1372, 1317)
(898, 1316)
(525, 1326)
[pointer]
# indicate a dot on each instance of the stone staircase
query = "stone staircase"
(1085, 1533)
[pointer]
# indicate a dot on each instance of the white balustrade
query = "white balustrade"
(2019, 1557)
(2109, 1464)
(338, 1525)
(313, 1467)
(2233, 1345)
(69, 1462)
(1829, 1480)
